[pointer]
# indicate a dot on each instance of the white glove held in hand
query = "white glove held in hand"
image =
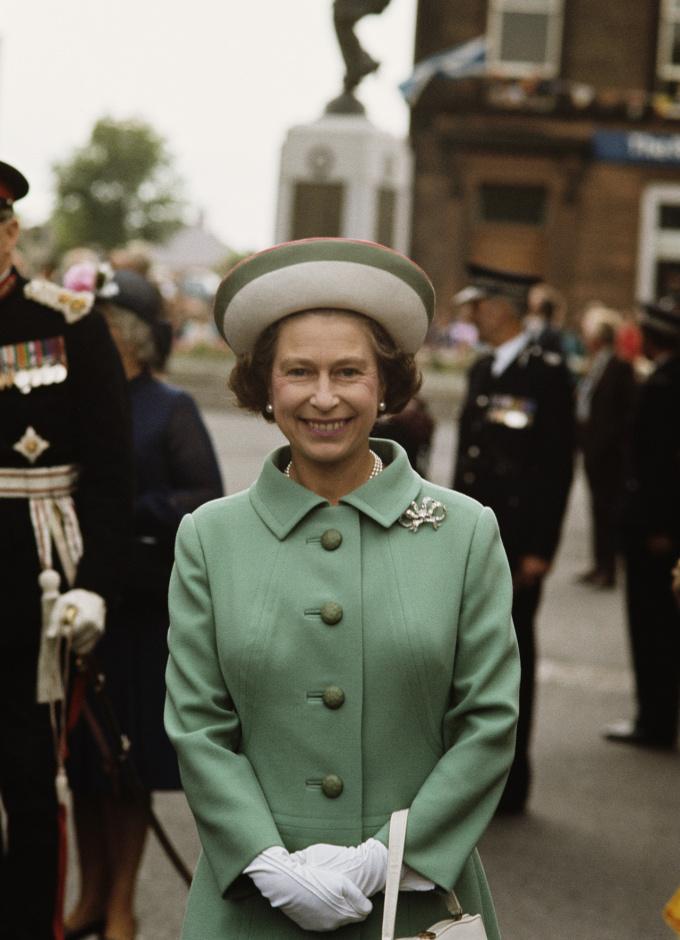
(86, 626)
(365, 865)
(314, 898)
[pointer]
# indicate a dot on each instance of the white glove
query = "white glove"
(314, 898)
(412, 881)
(365, 865)
(84, 624)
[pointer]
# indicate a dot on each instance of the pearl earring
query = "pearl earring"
(269, 408)
(382, 406)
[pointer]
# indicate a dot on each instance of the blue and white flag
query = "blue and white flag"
(459, 62)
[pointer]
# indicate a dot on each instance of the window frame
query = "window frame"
(553, 9)
(655, 244)
(669, 16)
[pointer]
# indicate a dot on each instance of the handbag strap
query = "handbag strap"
(395, 857)
(395, 860)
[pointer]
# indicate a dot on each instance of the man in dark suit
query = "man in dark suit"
(605, 400)
(515, 454)
(652, 536)
(65, 508)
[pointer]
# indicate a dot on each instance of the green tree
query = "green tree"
(120, 186)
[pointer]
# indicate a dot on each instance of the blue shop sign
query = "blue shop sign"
(636, 147)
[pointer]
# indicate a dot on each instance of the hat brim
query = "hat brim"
(468, 295)
(15, 181)
(313, 274)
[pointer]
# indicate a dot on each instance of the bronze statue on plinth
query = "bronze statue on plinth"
(358, 63)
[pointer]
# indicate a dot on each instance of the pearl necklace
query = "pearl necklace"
(375, 471)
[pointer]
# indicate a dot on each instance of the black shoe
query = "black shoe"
(598, 577)
(588, 577)
(508, 810)
(604, 579)
(511, 806)
(629, 732)
(87, 930)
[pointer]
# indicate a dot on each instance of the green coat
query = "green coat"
(313, 690)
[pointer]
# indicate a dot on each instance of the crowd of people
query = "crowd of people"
(346, 639)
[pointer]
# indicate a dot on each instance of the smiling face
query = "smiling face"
(325, 388)
(496, 319)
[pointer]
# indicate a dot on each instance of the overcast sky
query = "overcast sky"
(221, 80)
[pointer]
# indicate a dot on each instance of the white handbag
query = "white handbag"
(459, 927)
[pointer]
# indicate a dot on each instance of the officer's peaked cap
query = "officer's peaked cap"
(663, 314)
(485, 282)
(13, 185)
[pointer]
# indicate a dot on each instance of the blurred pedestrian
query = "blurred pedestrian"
(412, 428)
(605, 399)
(629, 340)
(340, 639)
(652, 536)
(135, 256)
(175, 472)
(515, 454)
(65, 507)
(543, 317)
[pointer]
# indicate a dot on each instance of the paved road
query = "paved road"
(598, 854)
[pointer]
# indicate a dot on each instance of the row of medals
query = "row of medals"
(32, 364)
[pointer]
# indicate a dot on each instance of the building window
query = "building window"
(512, 205)
(525, 36)
(669, 40)
(659, 242)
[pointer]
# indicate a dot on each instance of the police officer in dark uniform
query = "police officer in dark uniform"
(515, 454)
(65, 509)
(652, 536)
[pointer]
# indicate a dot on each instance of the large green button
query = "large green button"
(333, 697)
(331, 539)
(331, 613)
(332, 786)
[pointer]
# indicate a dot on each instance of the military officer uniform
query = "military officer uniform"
(651, 526)
(515, 454)
(65, 492)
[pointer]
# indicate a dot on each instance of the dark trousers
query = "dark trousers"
(28, 863)
(654, 626)
(524, 606)
(605, 506)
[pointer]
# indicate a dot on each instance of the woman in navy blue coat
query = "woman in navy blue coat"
(175, 472)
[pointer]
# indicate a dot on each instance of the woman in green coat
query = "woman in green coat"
(340, 643)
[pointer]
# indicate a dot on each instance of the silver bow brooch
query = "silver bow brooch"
(430, 511)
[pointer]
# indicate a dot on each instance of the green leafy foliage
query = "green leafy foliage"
(120, 186)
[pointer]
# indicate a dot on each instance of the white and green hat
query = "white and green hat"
(316, 273)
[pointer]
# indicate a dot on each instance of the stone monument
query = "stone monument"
(341, 175)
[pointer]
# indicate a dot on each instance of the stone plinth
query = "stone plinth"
(342, 176)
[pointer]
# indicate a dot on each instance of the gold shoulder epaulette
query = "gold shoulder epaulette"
(73, 304)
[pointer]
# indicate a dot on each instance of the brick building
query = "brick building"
(561, 154)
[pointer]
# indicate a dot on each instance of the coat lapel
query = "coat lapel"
(282, 504)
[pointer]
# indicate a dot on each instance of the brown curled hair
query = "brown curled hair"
(251, 376)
